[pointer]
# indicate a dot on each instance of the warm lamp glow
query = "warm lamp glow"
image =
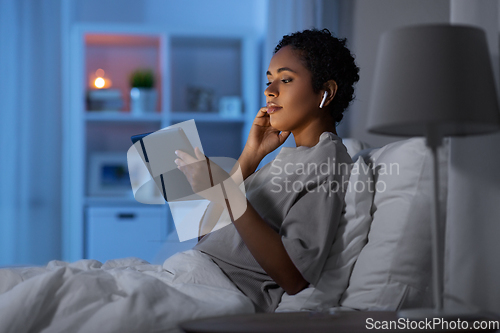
(100, 72)
(99, 83)
(98, 80)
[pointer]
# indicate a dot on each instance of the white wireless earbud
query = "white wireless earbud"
(323, 100)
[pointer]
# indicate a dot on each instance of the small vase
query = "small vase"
(143, 100)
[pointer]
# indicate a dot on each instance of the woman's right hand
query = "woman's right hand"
(263, 138)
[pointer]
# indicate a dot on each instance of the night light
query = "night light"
(99, 81)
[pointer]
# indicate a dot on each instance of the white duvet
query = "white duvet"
(125, 295)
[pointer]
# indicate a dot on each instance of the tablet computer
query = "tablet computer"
(158, 153)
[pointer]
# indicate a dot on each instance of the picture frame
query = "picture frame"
(108, 174)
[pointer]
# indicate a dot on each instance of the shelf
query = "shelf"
(193, 72)
(112, 200)
(205, 70)
(119, 55)
(205, 117)
(140, 40)
(118, 116)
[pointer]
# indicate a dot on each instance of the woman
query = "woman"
(278, 244)
(281, 241)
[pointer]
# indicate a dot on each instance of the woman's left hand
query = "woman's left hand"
(201, 179)
(213, 184)
(195, 169)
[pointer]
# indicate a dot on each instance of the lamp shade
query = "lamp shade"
(433, 76)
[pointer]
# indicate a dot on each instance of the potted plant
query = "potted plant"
(143, 96)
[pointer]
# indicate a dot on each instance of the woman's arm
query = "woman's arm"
(268, 250)
(262, 241)
(209, 219)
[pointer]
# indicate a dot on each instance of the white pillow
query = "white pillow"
(354, 146)
(393, 269)
(350, 238)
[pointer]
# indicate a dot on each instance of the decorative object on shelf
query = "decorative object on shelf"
(143, 96)
(104, 100)
(230, 106)
(200, 99)
(108, 174)
(98, 80)
(422, 87)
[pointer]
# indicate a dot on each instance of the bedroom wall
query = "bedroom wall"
(239, 14)
(472, 267)
(473, 225)
(30, 131)
(363, 22)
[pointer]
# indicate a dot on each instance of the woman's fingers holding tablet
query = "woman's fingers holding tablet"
(199, 176)
(199, 154)
(186, 158)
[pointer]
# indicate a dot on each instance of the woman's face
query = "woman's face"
(292, 103)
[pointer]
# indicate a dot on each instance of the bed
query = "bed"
(380, 260)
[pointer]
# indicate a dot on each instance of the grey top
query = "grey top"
(300, 194)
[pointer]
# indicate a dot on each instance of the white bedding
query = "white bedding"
(126, 295)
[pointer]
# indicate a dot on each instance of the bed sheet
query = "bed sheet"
(124, 295)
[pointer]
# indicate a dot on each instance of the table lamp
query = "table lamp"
(433, 81)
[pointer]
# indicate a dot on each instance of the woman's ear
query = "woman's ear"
(330, 88)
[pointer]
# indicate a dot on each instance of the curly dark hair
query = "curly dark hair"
(328, 58)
